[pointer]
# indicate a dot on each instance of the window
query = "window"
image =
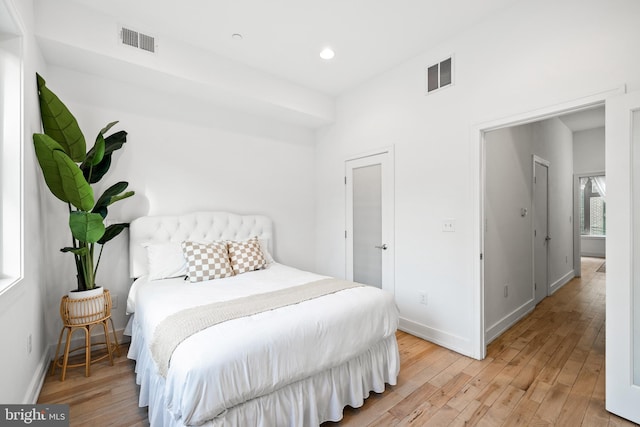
(10, 150)
(593, 212)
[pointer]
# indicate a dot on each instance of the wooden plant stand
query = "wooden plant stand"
(83, 314)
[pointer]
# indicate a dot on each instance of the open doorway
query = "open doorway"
(528, 253)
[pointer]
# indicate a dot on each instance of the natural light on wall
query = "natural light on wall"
(10, 154)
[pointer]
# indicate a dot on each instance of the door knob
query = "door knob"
(383, 247)
(547, 238)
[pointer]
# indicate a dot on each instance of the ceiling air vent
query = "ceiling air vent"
(133, 38)
(440, 75)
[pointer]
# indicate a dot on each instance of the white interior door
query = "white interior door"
(540, 228)
(369, 220)
(623, 256)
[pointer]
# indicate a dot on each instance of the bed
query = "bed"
(296, 363)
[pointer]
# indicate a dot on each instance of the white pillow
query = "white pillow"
(264, 246)
(165, 260)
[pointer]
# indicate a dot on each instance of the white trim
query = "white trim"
(594, 255)
(577, 237)
(12, 163)
(561, 282)
(477, 141)
(374, 152)
(37, 381)
(589, 237)
(622, 246)
(495, 330)
(388, 213)
(452, 342)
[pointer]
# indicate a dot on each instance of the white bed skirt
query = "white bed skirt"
(309, 402)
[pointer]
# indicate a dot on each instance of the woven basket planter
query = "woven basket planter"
(86, 307)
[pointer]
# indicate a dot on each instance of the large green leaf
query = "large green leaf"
(86, 227)
(113, 142)
(62, 175)
(112, 231)
(60, 124)
(111, 195)
(97, 152)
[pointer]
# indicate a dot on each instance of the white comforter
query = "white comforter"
(245, 358)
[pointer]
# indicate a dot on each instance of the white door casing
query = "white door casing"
(623, 256)
(478, 178)
(541, 236)
(369, 219)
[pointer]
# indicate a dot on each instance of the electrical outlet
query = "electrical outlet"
(423, 297)
(449, 225)
(114, 301)
(29, 344)
(506, 290)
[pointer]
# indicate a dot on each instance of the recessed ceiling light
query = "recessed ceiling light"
(236, 36)
(327, 53)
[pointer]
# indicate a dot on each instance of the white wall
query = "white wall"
(553, 141)
(183, 156)
(531, 56)
(588, 151)
(588, 157)
(508, 247)
(22, 307)
(508, 236)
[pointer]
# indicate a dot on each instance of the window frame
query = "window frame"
(581, 207)
(11, 147)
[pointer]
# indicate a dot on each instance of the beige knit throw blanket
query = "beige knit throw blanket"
(179, 326)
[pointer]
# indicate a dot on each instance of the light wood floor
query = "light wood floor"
(546, 370)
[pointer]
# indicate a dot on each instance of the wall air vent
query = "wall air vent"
(440, 75)
(133, 38)
(129, 37)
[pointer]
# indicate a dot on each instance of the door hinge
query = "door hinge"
(345, 180)
(345, 234)
(480, 257)
(535, 233)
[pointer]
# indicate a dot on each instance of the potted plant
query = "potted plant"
(69, 171)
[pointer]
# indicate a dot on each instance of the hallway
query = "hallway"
(548, 369)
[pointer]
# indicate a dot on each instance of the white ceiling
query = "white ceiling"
(284, 37)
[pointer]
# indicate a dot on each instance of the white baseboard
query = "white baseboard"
(561, 282)
(507, 321)
(593, 254)
(445, 339)
(33, 391)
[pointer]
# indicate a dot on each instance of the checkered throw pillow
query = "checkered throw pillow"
(207, 261)
(246, 255)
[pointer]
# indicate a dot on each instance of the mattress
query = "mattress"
(313, 357)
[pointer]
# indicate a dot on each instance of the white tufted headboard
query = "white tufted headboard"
(198, 226)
